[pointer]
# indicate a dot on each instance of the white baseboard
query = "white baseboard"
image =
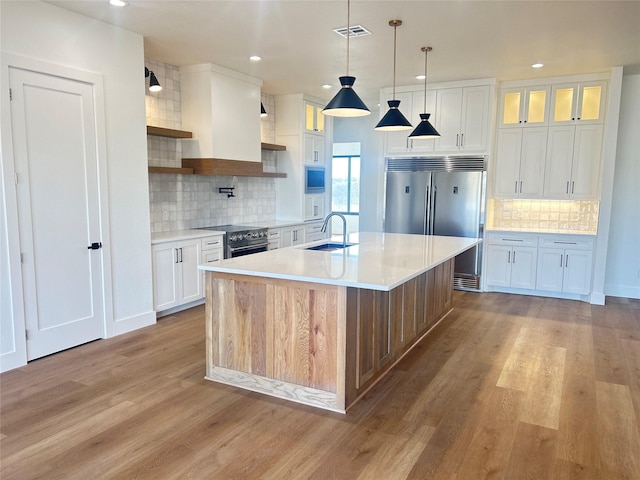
(624, 291)
(11, 360)
(130, 324)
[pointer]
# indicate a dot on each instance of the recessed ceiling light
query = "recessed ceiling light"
(117, 3)
(420, 77)
(327, 86)
(255, 58)
(537, 65)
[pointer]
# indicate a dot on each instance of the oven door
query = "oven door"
(233, 252)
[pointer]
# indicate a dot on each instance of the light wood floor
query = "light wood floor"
(507, 387)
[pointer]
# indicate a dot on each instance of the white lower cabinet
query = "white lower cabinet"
(511, 266)
(539, 263)
(564, 265)
(176, 278)
(313, 232)
(274, 238)
(292, 235)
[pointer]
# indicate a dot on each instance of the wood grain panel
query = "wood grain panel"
(409, 322)
(396, 309)
(366, 341)
(323, 361)
(618, 430)
(382, 329)
(543, 399)
(421, 303)
(532, 449)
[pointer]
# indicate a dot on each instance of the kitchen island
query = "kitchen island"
(322, 327)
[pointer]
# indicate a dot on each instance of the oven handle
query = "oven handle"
(249, 247)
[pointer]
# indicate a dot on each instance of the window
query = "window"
(345, 178)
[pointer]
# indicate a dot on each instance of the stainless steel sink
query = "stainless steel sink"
(330, 246)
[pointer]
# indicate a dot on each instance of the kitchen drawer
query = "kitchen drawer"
(210, 243)
(314, 237)
(211, 256)
(508, 238)
(566, 242)
(314, 229)
(274, 234)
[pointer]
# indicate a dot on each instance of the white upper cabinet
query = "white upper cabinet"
(222, 109)
(462, 119)
(573, 162)
(313, 118)
(524, 107)
(520, 162)
(578, 103)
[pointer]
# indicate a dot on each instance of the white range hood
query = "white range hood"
(222, 109)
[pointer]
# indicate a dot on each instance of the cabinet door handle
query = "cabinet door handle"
(508, 257)
(567, 188)
(457, 139)
(180, 254)
(566, 258)
(176, 252)
(561, 260)
(573, 185)
(462, 139)
(516, 189)
(514, 257)
(520, 186)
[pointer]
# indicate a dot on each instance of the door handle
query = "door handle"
(457, 139)
(514, 257)
(561, 259)
(508, 257)
(462, 139)
(95, 246)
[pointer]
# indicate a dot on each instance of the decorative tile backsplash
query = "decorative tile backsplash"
(180, 202)
(580, 216)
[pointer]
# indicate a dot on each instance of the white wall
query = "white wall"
(50, 34)
(622, 276)
(361, 129)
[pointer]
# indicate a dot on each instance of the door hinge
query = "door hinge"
(10, 94)
(21, 258)
(26, 334)
(15, 177)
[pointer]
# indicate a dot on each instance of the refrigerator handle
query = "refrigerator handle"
(427, 213)
(433, 209)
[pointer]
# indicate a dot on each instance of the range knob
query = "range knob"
(233, 238)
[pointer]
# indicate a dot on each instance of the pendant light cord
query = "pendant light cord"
(348, 31)
(426, 54)
(395, 30)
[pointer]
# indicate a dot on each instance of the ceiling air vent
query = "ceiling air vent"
(354, 31)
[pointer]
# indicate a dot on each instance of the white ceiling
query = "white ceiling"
(470, 39)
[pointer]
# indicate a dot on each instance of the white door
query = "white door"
(54, 140)
(507, 171)
(165, 276)
(550, 269)
(191, 276)
(532, 162)
(557, 176)
(474, 126)
(585, 172)
(577, 272)
(498, 265)
(448, 115)
(523, 267)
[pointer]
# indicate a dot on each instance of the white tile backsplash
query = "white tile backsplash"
(180, 202)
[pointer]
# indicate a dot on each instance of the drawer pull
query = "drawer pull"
(565, 243)
(512, 240)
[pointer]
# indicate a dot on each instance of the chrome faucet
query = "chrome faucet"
(344, 226)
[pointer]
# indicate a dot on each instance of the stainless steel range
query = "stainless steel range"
(242, 240)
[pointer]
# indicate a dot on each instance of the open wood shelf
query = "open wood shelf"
(168, 132)
(174, 170)
(273, 147)
(218, 166)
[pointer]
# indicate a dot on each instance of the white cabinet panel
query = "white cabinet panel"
(564, 265)
(462, 119)
(191, 287)
(509, 266)
(520, 162)
(573, 162)
(314, 207)
(165, 276)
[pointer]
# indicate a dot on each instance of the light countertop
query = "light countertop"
(544, 231)
(378, 261)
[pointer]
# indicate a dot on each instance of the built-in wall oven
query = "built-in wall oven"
(242, 240)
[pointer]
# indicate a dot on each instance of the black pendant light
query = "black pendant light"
(393, 120)
(263, 112)
(346, 103)
(424, 129)
(154, 84)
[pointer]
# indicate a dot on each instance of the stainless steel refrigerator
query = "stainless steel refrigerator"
(439, 196)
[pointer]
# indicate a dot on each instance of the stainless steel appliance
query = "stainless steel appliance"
(439, 196)
(242, 240)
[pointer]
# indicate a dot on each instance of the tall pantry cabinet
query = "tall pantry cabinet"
(301, 126)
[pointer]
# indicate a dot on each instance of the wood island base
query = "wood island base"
(312, 343)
